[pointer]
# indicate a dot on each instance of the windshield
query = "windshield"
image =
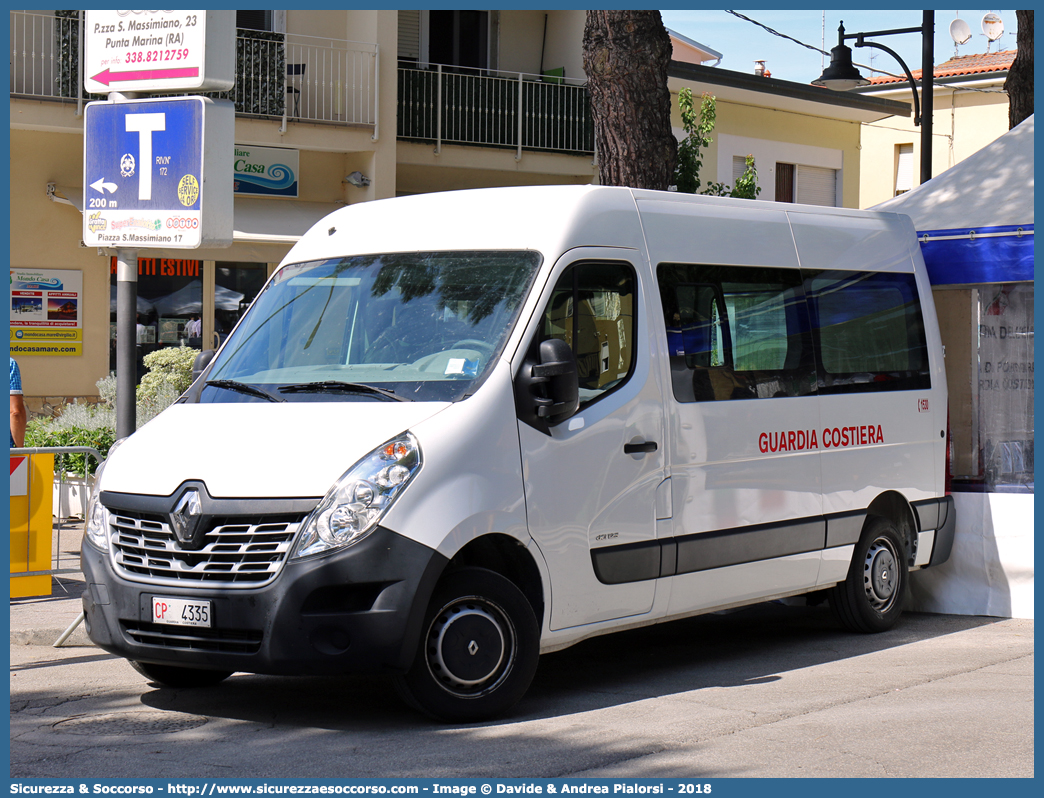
(416, 326)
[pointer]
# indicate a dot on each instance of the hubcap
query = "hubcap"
(880, 575)
(467, 647)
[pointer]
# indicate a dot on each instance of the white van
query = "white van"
(459, 430)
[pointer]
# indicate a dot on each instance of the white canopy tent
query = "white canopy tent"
(975, 224)
(144, 306)
(189, 299)
(992, 187)
(975, 220)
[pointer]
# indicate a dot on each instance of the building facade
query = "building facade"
(970, 111)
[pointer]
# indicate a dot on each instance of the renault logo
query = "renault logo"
(185, 520)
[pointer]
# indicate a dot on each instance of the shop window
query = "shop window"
(235, 286)
(170, 296)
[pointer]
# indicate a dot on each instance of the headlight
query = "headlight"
(96, 529)
(357, 501)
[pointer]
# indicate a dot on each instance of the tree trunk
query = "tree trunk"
(1019, 83)
(626, 54)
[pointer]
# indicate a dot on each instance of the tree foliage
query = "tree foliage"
(698, 127)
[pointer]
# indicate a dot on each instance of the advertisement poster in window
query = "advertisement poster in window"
(46, 312)
(1006, 385)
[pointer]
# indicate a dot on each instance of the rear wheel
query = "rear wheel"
(479, 651)
(871, 599)
(176, 676)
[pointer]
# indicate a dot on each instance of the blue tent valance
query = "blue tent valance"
(980, 255)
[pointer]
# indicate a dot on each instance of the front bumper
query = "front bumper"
(360, 609)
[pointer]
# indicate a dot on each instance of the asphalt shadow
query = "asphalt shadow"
(753, 645)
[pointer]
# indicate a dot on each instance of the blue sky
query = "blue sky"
(741, 43)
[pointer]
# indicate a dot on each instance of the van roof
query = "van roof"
(549, 219)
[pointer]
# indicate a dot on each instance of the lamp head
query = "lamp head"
(841, 75)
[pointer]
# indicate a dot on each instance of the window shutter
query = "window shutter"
(739, 166)
(409, 35)
(904, 169)
(816, 185)
(254, 20)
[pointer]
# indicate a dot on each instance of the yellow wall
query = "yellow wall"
(420, 170)
(785, 128)
(963, 122)
(47, 235)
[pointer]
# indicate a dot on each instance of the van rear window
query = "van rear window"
(869, 330)
(738, 332)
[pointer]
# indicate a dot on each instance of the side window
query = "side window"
(870, 332)
(592, 309)
(736, 332)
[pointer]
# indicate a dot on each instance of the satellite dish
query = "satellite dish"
(992, 26)
(960, 31)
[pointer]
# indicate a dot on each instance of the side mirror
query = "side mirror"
(548, 392)
(199, 365)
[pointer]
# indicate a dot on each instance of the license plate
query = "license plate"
(181, 612)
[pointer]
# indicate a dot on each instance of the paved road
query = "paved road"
(766, 691)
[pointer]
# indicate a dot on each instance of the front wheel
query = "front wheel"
(479, 651)
(871, 599)
(176, 676)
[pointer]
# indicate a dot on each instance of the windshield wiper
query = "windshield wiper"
(336, 386)
(242, 387)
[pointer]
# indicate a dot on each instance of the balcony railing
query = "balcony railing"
(278, 75)
(460, 105)
(44, 54)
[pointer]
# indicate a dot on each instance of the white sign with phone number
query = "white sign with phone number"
(159, 51)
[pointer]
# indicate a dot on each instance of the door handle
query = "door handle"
(640, 448)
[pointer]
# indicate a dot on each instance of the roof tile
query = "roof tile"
(961, 65)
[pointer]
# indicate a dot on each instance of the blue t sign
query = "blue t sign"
(144, 169)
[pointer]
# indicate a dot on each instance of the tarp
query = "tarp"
(975, 220)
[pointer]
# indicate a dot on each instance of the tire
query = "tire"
(176, 676)
(872, 598)
(479, 651)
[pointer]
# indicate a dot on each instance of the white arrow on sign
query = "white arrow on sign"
(100, 184)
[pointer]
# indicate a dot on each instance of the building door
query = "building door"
(459, 38)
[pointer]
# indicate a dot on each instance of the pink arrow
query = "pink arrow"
(108, 77)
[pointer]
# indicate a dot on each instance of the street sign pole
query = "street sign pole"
(126, 341)
(126, 329)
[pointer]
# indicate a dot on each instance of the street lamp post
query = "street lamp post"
(842, 75)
